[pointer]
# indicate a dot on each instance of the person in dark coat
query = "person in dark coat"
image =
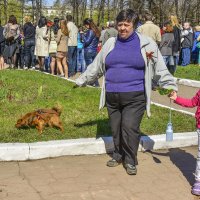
(29, 43)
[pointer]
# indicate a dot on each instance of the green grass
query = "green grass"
(189, 72)
(25, 91)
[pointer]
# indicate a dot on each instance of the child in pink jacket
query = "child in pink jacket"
(194, 102)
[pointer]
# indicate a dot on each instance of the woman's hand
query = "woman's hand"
(173, 95)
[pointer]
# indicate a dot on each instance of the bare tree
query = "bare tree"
(5, 10)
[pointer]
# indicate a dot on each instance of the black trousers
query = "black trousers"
(125, 110)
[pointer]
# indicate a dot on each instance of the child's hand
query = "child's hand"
(173, 95)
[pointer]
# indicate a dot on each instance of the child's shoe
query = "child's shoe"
(196, 188)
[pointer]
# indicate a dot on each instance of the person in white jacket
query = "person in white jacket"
(72, 45)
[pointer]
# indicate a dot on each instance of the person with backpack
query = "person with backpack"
(11, 33)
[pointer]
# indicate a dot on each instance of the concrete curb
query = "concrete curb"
(87, 146)
(188, 82)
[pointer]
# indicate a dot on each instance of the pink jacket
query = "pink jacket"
(195, 101)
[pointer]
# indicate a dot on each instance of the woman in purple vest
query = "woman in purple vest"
(127, 63)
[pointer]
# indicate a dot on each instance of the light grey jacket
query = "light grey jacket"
(154, 68)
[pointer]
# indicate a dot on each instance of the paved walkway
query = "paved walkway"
(163, 175)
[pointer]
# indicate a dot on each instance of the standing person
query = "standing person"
(2, 40)
(194, 102)
(90, 41)
(72, 45)
(20, 62)
(29, 43)
(61, 56)
(166, 46)
(149, 28)
(53, 44)
(186, 43)
(42, 43)
(196, 45)
(110, 32)
(177, 39)
(127, 64)
(103, 30)
(80, 52)
(11, 33)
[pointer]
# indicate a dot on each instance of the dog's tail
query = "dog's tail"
(58, 109)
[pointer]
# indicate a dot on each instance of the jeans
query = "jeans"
(125, 110)
(72, 54)
(169, 60)
(197, 172)
(29, 47)
(170, 63)
(199, 56)
(47, 62)
(186, 54)
(80, 60)
(89, 57)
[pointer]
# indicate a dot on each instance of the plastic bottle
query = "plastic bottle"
(169, 132)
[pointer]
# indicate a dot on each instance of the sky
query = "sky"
(48, 2)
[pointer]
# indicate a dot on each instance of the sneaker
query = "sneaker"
(32, 68)
(196, 188)
(131, 169)
(113, 163)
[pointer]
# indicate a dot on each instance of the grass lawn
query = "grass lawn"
(26, 91)
(189, 72)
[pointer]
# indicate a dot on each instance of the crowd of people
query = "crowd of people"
(62, 48)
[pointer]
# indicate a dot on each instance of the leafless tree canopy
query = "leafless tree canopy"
(104, 10)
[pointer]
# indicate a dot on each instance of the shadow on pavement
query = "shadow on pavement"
(183, 160)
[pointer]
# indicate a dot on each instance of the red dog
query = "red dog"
(41, 118)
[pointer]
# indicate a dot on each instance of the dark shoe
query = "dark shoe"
(131, 169)
(113, 163)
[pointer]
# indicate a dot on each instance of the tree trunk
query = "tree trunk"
(84, 5)
(5, 10)
(33, 8)
(108, 10)
(103, 11)
(198, 13)
(121, 5)
(176, 7)
(91, 8)
(77, 14)
(23, 3)
(146, 5)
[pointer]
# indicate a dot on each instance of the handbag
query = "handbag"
(9, 50)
